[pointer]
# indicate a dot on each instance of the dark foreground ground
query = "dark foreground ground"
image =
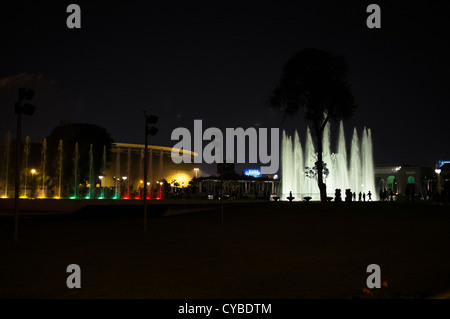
(263, 250)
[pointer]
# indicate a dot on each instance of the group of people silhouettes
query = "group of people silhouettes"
(349, 196)
(386, 196)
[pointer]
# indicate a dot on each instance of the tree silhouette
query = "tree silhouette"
(315, 82)
(226, 170)
(84, 134)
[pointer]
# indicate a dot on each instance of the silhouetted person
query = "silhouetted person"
(364, 197)
(337, 195)
(354, 196)
(348, 195)
(359, 196)
(370, 195)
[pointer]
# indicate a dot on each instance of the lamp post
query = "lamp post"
(33, 183)
(149, 119)
(438, 172)
(27, 109)
(101, 185)
(127, 194)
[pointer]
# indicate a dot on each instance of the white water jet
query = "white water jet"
(141, 166)
(26, 152)
(128, 172)
(60, 165)
(43, 165)
(356, 172)
(117, 177)
(76, 158)
(91, 171)
(355, 165)
(7, 156)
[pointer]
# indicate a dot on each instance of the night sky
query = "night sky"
(219, 61)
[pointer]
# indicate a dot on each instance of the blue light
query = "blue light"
(253, 172)
(441, 163)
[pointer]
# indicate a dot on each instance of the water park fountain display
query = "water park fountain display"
(43, 178)
(355, 172)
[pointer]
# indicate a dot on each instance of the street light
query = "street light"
(101, 185)
(149, 119)
(33, 171)
(438, 172)
(196, 172)
(20, 107)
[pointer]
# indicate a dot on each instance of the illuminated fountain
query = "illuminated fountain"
(102, 196)
(91, 173)
(63, 169)
(76, 159)
(60, 166)
(7, 157)
(117, 178)
(356, 174)
(127, 193)
(43, 165)
(26, 151)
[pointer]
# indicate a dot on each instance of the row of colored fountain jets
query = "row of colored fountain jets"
(354, 172)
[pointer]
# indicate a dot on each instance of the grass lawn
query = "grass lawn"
(263, 250)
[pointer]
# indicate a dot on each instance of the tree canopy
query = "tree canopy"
(316, 82)
(84, 134)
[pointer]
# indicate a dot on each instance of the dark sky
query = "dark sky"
(219, 61)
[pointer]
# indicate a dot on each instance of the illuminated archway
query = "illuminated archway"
(411, 180)
(391, 183)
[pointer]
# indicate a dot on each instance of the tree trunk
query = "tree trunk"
(321, 184)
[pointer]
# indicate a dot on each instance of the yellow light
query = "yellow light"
(33, 171)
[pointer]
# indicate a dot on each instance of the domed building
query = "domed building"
(125, 172)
